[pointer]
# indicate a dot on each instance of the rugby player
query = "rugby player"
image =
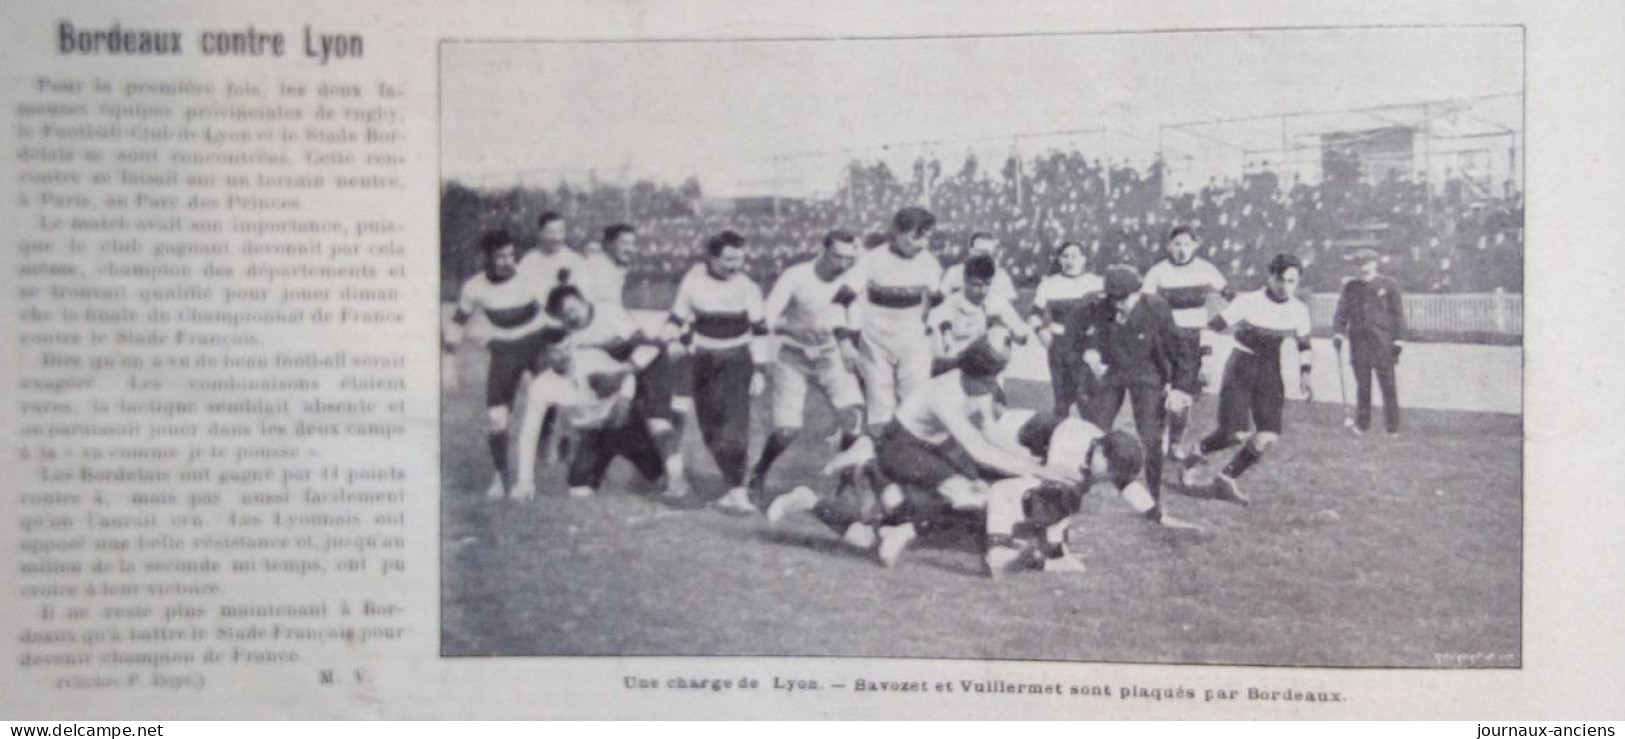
(936, 452)
(603, 274)
(1188, 282)
(594, 394)
(719, 312)
(513, 308)
(807, 308)
(896, 285)
(611, 330)
(1252, 394)
(966, 315)
(1026, 519)
(1059, 295)
(981, 242)
(552, 262)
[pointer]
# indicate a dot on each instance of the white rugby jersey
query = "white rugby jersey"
(958, 322)
(1068, 443)
(953, 281)
(723, 314)
(544, 270)
(894, 293)
(801, 300)
(921, 413)
(1261, 323)
(601, 279)
(612, 330)
(512, 306)
(1186, 287)
(573, 394)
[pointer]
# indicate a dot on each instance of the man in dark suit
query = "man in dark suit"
(1132, 345)
(1370, 317)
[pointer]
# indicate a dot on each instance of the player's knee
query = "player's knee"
(785, 434)
(496, 419)
(850, 418)
(1263, 440)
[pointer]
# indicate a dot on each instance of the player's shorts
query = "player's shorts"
(910, 461)
(510, 358)
(662, 383)
(1252, 394)
(793, 371)
(1189, 345)
(892, 366)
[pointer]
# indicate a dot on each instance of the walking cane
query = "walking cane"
(1343, 389)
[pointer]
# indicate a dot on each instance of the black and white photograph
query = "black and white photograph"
(1177, 347)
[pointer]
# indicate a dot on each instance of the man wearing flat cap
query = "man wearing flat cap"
(1132, 345)
(1370, 318)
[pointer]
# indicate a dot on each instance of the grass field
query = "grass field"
(1370, 551)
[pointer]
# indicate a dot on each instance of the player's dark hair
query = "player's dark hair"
(981, 360)
(1283, 262)
(980, 267)
(914, 221)
(724, 240)
(1182, 230)
(494, 240)
(978, 236)
(1124, 457)
(614, 232)
(838, 237)
(548, 217)
(1035, 433)
(557, 296)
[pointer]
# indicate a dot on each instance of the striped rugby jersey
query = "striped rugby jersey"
(720, 314)
(1187, 288)
(512, 306)
(894, 293)
(1261, 323)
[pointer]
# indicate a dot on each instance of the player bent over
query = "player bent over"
(513, 307)
(807, 308)
(966, 315)
(1252, 394)
(610, 329)
(934, 453)
(594, 394)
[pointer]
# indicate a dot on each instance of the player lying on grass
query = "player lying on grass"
(597, 396)
(1026, 521)
(938, 457)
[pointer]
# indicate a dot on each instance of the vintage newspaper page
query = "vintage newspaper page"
(904, 360)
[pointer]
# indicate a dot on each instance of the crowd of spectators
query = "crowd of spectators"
(1454, 237)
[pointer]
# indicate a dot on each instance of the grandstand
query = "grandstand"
(1435, 188)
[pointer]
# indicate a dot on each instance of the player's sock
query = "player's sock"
(1216, 441)
(777, 442)
(1247, 457)
(1176, 430)
(498, 441)
(836, 516)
